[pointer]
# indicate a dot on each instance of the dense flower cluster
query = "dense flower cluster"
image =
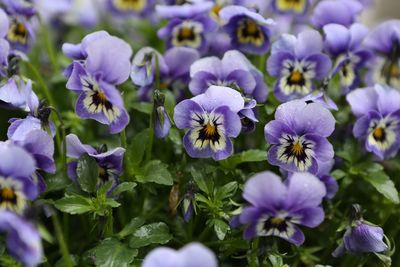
(247, 115)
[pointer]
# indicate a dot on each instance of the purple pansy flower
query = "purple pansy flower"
(162, 123)
(234, 70)
(361, 238)
(173, 66)
(298, 8)
(320, 98)
(378, 119)
(191, 255)
(110, 163)
(23, 240)
(38, 117)
(4, 45)
(277, 208)
(249, 31)
(188, 25)
(137, 7)
(297, 62)
(345, 44)
(23, 24)
(344, 12)
(331, 185)
(384, 40)
(104, 63)
(212, 119)
(16, 186)
(298, 136)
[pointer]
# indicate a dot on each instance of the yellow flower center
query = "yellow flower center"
(7, 194)
(378, 133)
(296, 77)
(210, 130)
(297, 149)
(277, 221)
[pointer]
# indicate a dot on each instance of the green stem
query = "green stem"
(109, 227)
(43, 87)
(151, 126)
(63, 148)
(254, 255)
(50, 49)
(61, 241)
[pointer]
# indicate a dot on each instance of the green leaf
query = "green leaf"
(338, 174)
(155, 171)
(143, 107)
(155, 233)
(226, 191)
(123, 187)
(205, 185)
(384, 185)
(220, 228)
(87, 172)
(136, 149)
(74, 204)
(252, 155)
(386, 260)
(175, 136)
(131, 227)
(112, 253)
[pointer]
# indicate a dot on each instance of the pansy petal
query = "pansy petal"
(197, 255)
(362, 100)
(75, 148)
(311, 217)
(304, 191)
(109, 58)
(265, 189)
(183, 113)
(23, 167)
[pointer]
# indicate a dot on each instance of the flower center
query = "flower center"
(17, 33)
(208, 130)
(250, 32)
(379, 134)
(7, 194)
(187, 34)
(297, 6)
(296, 77)
(382, 133)
(127, 5)
(296, 150)
(96, 100)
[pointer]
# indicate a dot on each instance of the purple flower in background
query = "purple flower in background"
(4, 45)
(298, 136)
(104, 63)
(298, 7)
(344, 12)
(211, 119)
(249, 31)
(276, 208)
(378, 119)
(234, 70)
(188, 25)
(16, 186)
(23, 24)
(384, 40)
(331, 185)
(162, 122)
(345, 44)
(17, 91)
(23, 240)
(361, 238)
(297, 62)
(320, 98)
(136, 7)
(174, 70)
(191, 255)
(110, 162)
